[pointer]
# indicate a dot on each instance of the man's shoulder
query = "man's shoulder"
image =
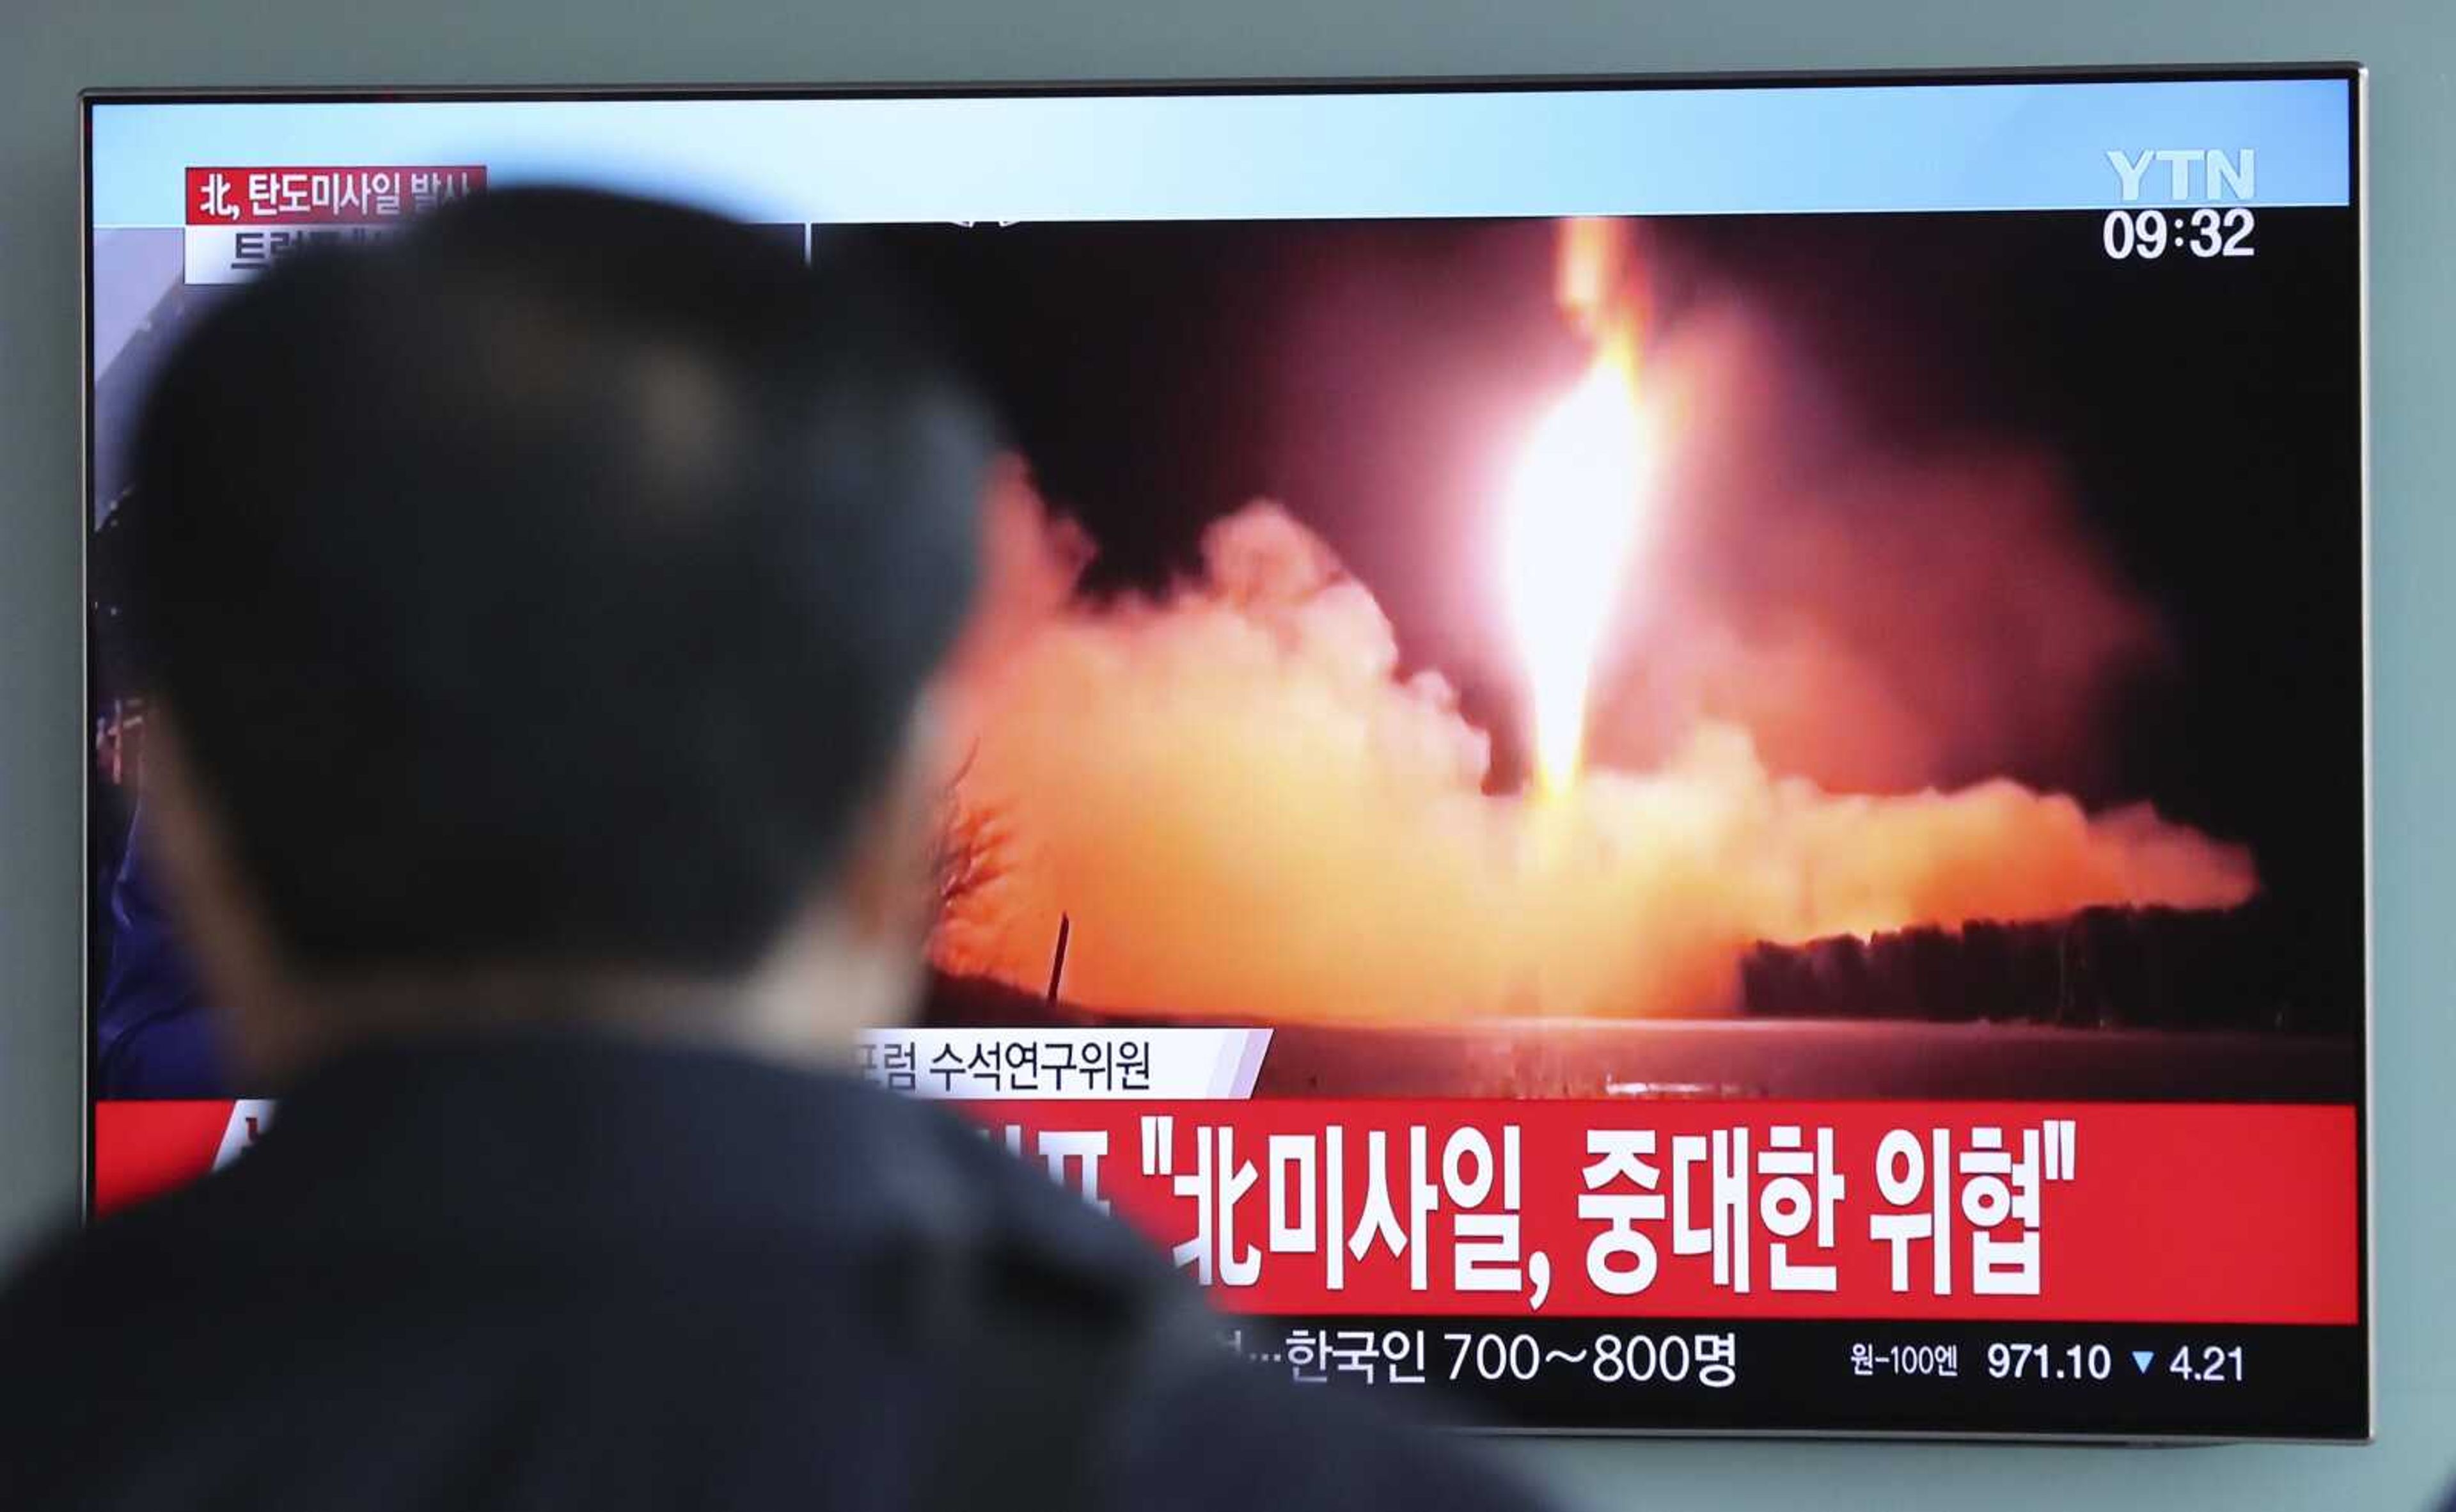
(1182, 1421)
(852, 1238)
(1228, 1435)
(66, 1277)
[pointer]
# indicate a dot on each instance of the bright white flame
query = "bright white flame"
(1570, 519)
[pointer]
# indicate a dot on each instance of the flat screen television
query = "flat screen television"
(1646, 754)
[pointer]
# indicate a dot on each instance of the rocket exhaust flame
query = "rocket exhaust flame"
(1570, 519)
(1572, 511)
(1592, 281)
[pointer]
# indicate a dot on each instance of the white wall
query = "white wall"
(49, 48)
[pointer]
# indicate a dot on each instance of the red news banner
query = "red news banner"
(2201, 1213)
(323, 195)
(2080, 1212)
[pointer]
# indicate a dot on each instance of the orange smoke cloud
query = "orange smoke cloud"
(1247, 811)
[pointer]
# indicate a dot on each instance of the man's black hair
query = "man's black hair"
(553, 585)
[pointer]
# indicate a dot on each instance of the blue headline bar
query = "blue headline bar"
(1739, 150)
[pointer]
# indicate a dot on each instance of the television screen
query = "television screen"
(1642, 755)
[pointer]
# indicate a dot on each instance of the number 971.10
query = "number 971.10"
(2040, 1363)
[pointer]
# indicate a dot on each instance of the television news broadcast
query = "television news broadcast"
(1674, 756)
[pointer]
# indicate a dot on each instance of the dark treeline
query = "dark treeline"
(2236, 969)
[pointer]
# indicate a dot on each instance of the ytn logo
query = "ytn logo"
(2220, 177)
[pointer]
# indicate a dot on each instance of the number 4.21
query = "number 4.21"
(2209, 1362)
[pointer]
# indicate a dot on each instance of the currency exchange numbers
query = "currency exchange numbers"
(2148, 235)
(2040, 1363)
(2208, 1364)
(2199, 1364)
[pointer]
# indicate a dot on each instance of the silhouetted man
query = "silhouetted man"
(538, 611)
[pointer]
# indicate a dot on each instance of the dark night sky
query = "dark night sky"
(2203, 412)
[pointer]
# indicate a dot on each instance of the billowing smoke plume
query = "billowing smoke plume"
(1246, 810)
(1879, 619)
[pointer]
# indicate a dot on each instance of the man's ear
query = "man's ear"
(248, 983)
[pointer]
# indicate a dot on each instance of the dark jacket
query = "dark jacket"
(576, 1273)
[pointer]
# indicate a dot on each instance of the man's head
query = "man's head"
(545, 600)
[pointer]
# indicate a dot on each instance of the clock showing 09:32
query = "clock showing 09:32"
(2152, 233)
